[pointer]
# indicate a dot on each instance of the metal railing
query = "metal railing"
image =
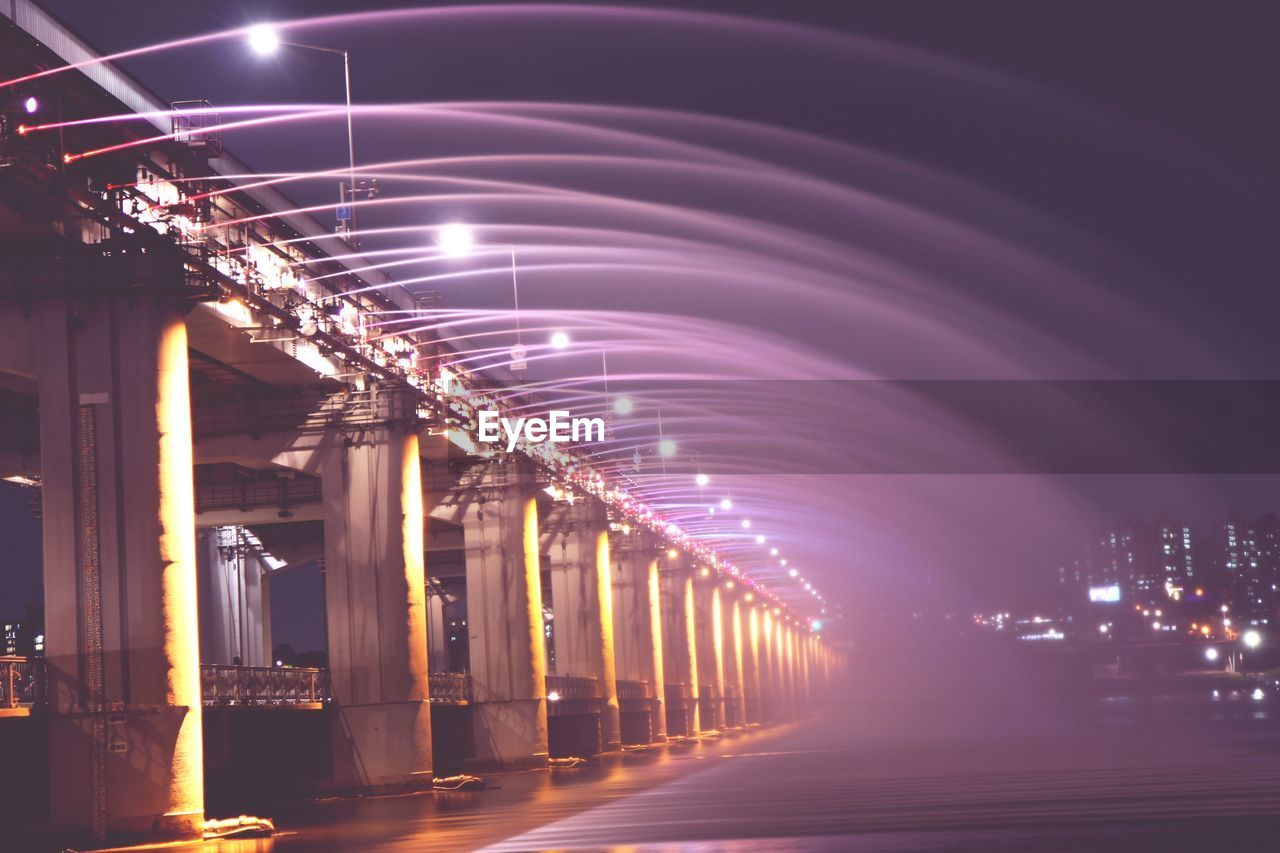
(21, 683)
(677, 692)
(634, 695)
(251, 686)
(634, 690)
(571, 694)
(450, 688)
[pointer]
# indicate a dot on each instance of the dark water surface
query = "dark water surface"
(973, 754)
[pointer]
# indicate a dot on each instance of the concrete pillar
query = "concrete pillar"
(637, 620)
(751, 667)
(234, 587)
(375, 601)
(710, 634)
(806, 655)
(679, 634)
(504, 619)
(122, 636)
(437, 657)
(582, 601)
(734, 674)
(770, 671)
(785, 668)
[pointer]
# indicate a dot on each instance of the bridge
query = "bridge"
(190, 377)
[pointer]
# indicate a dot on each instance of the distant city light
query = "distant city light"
(263, 39)
(702, 480)
(31, 104)
(667, 447)
(746, 523)
(794, 572)
(553, 696)
(726, 504)
(559, 340)
(1105, 594)
(1211, 654)
(455, 239)
(1252, 639)
(759, 538)
(773, 552)
(623, 406)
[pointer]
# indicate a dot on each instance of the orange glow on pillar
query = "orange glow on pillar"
(691, 649)
(604, 589)
(185, 802)
(655, 637)
(533, 583)
(412, 536)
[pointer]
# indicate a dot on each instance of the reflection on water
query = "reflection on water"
(962, 749)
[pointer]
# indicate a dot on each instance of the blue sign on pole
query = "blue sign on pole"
(344, 213)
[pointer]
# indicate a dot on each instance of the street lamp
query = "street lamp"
(265, 41)
(1251, 639)
(455, 239)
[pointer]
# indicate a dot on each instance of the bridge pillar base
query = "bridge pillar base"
(637, 620)
(582, 598)
(509, 735)
(122, 652)
(375, 598)
(496, 505)
(378, 747)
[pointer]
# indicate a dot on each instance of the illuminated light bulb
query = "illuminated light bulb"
(793, 572)
(455, 239)
(31, 105)
(784, 562)
(702, 480)
(623, 405)
(667, 447)
(746, 523)
(773, 552)
(760, 539)
(673, 553)
(263, 39)
(726, 504)
(560, 340)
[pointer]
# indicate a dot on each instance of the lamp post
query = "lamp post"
(265, 41)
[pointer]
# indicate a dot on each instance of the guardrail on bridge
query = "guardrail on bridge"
(21, 685)
(572, 694)
(450, 688)
(263, 686)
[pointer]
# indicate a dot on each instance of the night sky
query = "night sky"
(1132, 142)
